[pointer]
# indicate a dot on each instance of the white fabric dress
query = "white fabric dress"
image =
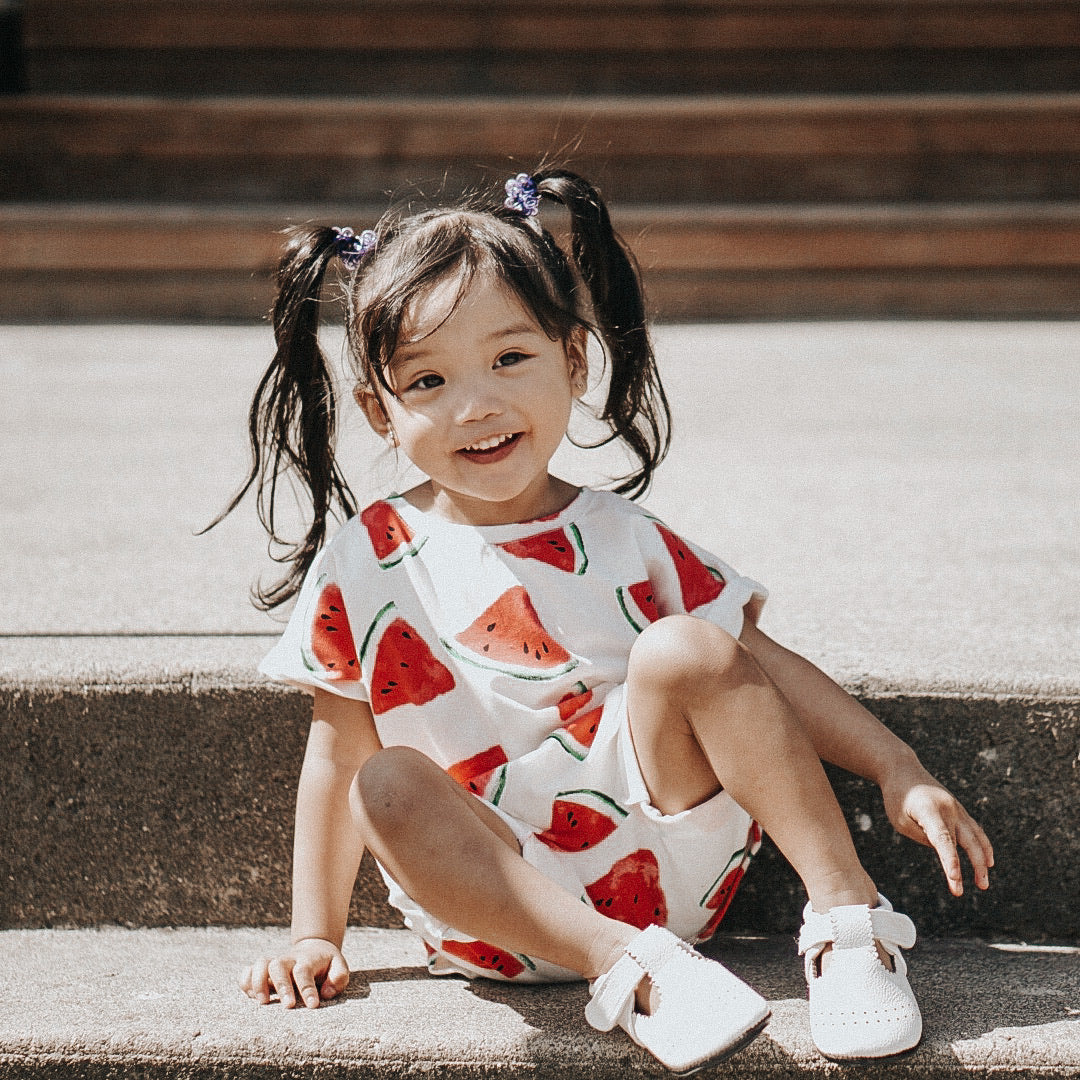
(501, 653)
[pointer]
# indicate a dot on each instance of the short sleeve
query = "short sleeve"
(318, 648)
(689, 579)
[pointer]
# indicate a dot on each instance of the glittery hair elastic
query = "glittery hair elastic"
(352, 248)
(522, 196)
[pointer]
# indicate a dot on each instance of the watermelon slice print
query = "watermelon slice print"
(699, 583)
(391, 539)
(474, 774)
(479, 954)
(577, 736)
(722, 891)
(509, 637)
(406, 671)
(574, 702)
(637, 602)
(560, 548)
(331, 638)
(630, 891)
(581, 819)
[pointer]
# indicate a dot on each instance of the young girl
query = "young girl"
(553, 721)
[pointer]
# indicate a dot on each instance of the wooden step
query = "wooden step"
(946, 147)
(708, 261)
(561, 46)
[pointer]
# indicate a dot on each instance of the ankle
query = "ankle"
(842, 894)
(607, 948)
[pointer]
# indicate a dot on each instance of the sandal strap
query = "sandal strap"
(613, 993)
(894, 930)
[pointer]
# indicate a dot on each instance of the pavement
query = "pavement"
(164, 1003)
(908, 491)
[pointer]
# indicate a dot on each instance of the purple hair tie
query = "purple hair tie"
(522, 196)
(351, 248)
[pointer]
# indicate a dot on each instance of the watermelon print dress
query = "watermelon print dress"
(501, 653)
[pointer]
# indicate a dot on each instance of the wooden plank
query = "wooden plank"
(665, 239)
(612, 128)
(546, 25)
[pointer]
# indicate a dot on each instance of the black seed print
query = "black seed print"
(406, 635)
(337, 609)
(486, 647)
(544, 643)
(331, 629)
(525, 647)
(491, 626)
(324, 616)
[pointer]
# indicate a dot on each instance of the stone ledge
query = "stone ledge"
(164, 1003)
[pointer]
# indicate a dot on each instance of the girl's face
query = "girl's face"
(482, 400)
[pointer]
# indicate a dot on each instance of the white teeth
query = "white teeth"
(490, 444)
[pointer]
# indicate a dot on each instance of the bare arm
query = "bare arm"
(327, 849)
(846, 734)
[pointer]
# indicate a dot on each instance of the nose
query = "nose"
(477, 399)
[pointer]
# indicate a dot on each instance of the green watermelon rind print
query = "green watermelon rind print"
(607, 800)
(620, 596)
(525, 674)
(401, 554)
(500, 785)
(743, 855)
(562, 739)
(576, 533)
(375, 623)
(306, 655)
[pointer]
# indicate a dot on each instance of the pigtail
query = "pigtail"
(292, 423)
(636, 408)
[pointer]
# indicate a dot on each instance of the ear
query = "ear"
(375, 414)
(576, 358)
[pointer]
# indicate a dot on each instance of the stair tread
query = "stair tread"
(167, 999)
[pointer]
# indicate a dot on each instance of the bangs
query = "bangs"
(420, 253)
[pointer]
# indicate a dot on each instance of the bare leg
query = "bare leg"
(458, 860)
(703, 714)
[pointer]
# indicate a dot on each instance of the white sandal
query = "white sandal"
(702, 1012)
(858, 1007)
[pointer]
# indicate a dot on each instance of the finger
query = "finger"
(281, 978)
(941, 840)
(337, 978)
(257, 983)
(304, 978)
(971, 838)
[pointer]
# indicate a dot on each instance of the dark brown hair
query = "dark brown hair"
(292, 422)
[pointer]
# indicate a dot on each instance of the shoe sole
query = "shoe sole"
(744, 1040)
(899, 1055)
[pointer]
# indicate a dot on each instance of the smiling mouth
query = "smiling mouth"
(492, 445)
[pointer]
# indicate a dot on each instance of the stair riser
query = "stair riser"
(767, 71)
(162, 806)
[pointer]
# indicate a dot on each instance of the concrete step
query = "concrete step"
(660, 149)
(101, 260)
(907, 491)
(550, 46)
(165, 1004)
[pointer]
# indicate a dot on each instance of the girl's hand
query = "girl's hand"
(311, 971)
(923, 810)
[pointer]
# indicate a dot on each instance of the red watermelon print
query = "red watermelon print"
(331, 638)
(577, 736)
(474, 774)
(574, 702)
(581, 821)
(509, 637)
(479, 954)
(561, 548)
(391, 539)
(630, 891)
(406, 671)
(722, 891)
(699, 583)
(637, 602)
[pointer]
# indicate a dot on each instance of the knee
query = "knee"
(384, 793)
(684, 653)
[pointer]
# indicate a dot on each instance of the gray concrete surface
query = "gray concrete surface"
(909, 491)
(165, 1004)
